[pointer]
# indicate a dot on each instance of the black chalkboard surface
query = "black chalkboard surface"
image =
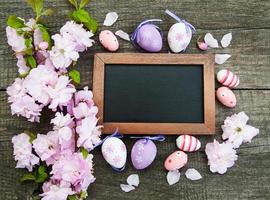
(153, 93)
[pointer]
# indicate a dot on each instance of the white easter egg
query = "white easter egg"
(179, 37)
(114, 152)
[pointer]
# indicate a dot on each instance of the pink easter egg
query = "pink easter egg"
(108, 40)
(176, 160)
(188, 143)
(226, 97)
(228, 78)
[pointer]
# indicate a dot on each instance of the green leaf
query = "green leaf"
(82, 16)
(84, 152)
(31, 135)
(48, 12)
(72, 197)
(75, 76)
(84, 3)
(28, 43)
(45, 35)
(42, 175)
(15, 22)
(37, 6)
(31, 61)
(74, 3)
(28, 177)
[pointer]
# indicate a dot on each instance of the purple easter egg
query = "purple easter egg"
(143, 153)
(149, 38)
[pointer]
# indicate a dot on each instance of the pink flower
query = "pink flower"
(47, 147)
(78, 34)
(23, 68)
(83, 110)
(17, 42)
(38, 37)
(23, 152)
(63, 126)
(84, 95)
(236, 130)
(73, 168)
(16, 90)
(61, 92)
(26, 106)
(56, 191)
(89, 133)
(220, 156)
(63, 52)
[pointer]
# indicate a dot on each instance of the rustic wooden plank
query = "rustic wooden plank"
(251, 32)
(249, 179)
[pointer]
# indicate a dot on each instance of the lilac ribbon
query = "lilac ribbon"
(115, 134)
(159, 138)
(188, 25)
(135, 33)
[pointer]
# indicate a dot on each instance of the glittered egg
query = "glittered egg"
(114, 152)
(226, 97)
(179, 37)
(143, 153)
(108, 40)
(176, 160)
(188, 143)
(228, 78)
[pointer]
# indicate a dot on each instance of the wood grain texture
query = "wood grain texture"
(249, 22)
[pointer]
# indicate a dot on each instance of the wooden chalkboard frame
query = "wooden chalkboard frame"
(207, 60)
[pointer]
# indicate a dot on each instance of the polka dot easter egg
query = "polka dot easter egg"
(226, 97)
(176, 160)
(143, 153)
(114, 152)
(188, 143)
(180, 34)
(228, 78)
(147, 36)
(108, 40)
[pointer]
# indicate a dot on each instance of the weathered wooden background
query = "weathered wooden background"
(249, 22)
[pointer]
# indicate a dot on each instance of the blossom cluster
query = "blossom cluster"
(45, 82)
(236, 131)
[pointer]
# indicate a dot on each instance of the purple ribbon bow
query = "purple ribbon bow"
(159, 138)
(188, 25)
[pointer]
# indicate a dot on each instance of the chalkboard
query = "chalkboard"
(155, 93)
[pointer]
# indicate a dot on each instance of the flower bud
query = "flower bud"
(43, 45)
(202, 46)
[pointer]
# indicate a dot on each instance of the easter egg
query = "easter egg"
(176, 160)
(226, 97)
(149, 38)
(188, 143)
(108, 40)
(143, 153)
(114, 152)
(228, 78)
(179, 37)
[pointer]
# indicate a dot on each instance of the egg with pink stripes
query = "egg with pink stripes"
(188, 143)
(228, 78)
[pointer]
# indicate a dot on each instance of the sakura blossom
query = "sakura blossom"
(23, 152)
(23, 68)
(221, 156)
(56, 191)
(17, 42)
(236, 130)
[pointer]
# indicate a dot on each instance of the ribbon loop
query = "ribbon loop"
(159, 138)
(187, 24)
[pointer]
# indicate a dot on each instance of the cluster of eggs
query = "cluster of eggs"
(144, 151)
(224, 94)
(148, 36)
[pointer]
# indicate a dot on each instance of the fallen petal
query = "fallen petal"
(211, 41)
(226, 40)
(110, 19)
(173, 177)
(221, 58)
(133, 179)
(193, 174)
(126, 187)
(122, 35)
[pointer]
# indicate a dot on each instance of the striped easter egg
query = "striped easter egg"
(188, 143)
(228, 78)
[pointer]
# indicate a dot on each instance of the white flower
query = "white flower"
(236, 130)
(63, 52)
(78, 34)
(16, 41)
(23, 68)
(220, 156)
